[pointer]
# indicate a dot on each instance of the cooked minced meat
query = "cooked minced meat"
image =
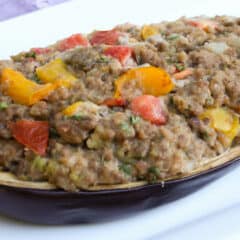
(124, 105)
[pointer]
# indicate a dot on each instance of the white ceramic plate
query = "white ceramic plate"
(178, 220)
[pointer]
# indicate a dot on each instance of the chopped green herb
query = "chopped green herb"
(180, 67)
(126, 168)
(204, 136)
(30, 55)
(171, 101)
(39, 163)
(103, 59)
(125, 127)
(173, 37)
(134, 119)
(3, 105)
(154, 170)
(77, 116)
(53, 132)
(36, 79)
(209, 101)
(154, 174)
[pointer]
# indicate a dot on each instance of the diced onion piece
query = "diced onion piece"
(217, 47)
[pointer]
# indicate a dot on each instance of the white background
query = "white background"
(211, 213)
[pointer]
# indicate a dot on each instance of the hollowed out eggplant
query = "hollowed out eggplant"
(42, 203)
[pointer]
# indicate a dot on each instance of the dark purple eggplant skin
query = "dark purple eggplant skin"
(57, 207)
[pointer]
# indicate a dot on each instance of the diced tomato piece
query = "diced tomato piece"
(72, 42)
(32, 134)
(203, 24)
(149, 108)
(105, 37)
(40, 50)
(183, 74)
(122, 53)
(115, 102)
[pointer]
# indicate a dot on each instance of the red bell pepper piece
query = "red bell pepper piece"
(115, 102)
(32, 134)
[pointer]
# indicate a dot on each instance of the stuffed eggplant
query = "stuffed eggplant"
(122, 108)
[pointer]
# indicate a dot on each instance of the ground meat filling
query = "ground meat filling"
(91, 114)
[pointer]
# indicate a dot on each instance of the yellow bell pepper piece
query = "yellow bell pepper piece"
(56, 72)
(72, 109)
(23, 90)
(151, 80)
(231, 134)
(223, 121)
(81, 108)
(148, 31)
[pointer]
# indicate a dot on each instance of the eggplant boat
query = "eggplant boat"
(119, 115)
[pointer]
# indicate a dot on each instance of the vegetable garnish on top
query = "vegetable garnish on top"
(123, 105)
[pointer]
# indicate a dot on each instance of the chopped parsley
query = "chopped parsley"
(53, 132)
(3, 105)
(154, 170)
(126, 168)
(30, 54)
(134, 119)
(36, 79)
(154, 174)
(180, 67)
(204, 136)
(209, 101)
(103, 59)
(77, 116)
(125, 127)
(173, 37)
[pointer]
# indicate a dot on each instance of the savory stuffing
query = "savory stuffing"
(122, 105)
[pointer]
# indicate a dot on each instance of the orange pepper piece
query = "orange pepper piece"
(151, 80)
(23, 90)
